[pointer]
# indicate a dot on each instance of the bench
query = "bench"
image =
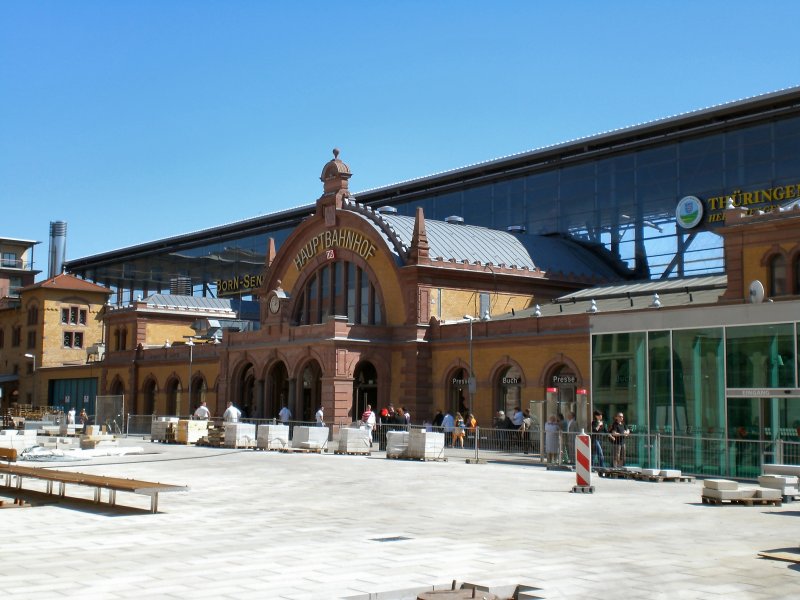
(98, 482)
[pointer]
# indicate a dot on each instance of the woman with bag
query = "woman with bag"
(458, 432)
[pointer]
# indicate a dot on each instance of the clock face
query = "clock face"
(274, 304)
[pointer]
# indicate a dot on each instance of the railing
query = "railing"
(692, 455)
(16, 263)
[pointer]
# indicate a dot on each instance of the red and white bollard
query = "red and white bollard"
(583, 464)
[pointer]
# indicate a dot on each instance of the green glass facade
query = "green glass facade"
(715, 400)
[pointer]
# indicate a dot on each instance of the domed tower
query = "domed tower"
(335, 187)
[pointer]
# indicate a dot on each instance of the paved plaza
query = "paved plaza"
(263, 525)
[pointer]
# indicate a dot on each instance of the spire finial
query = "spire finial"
(335, 153)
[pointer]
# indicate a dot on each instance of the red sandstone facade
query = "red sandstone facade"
(314, 350)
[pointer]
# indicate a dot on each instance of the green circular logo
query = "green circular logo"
(689, 211)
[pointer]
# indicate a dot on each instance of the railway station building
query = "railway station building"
(652, 269)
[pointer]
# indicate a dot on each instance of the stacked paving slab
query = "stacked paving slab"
(716, 491)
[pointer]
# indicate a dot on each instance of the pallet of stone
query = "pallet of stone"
(417, 458)
(272, 436)
(240, 435)
(310, 438)
(786, 484)
(354, 441)
(660, 475)
(396, 444)
(743, 501)
(425, 445)
(162, 429)
(215, 437)
(721, 491)
(291, 450)
(190, 431)
(653, 475)
(618, 473)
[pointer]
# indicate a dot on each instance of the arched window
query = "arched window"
(777, 275)
(338, 288)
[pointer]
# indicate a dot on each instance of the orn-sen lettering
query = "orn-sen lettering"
(242, 283)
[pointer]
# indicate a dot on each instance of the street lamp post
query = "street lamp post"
(471, 379)
(33, 358)
(190, 343)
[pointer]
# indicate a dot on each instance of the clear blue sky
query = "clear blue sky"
(138, 120)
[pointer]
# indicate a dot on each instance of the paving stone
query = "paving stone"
(274, 525)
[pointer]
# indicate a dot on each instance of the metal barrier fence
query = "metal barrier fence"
(692, 455)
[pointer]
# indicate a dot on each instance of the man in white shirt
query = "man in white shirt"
(231, 414)
(320, 417)
(202, 413)
(285, 415)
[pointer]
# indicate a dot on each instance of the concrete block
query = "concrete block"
(425, 444)
(396, 443)
(240, 435)
(739, 494)
(793, 470)
(354, 439)
(719, 484)
(310, 438)
(777, 481)
(651, 472)
(670, 473)
(768, 494)
(272, 437)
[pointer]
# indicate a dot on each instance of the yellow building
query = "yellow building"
(156, 345)
(47, 335)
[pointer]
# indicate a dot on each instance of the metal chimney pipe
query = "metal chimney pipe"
(58, 248)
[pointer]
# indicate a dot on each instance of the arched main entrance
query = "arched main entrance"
(277, 389)
(310, 390)
(365, 389)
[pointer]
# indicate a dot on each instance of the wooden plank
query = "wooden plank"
(789, 555)
(112, 484)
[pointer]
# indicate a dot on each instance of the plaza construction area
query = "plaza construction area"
(265, 524)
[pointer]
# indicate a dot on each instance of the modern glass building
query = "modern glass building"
(714, 382)
(605, 206)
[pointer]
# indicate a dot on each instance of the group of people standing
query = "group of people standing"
(560, 435)
(616, 433)
(454, 427)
